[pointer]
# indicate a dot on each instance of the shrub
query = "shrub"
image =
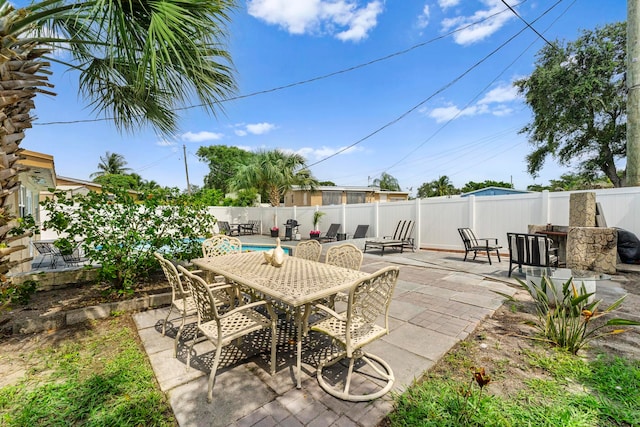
(121, 233)
(567, 318)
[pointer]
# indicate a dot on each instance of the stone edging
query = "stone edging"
(61, 319)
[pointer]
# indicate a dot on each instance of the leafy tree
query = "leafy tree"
(137, 62)
(574, 181)
(578, 96)
(243, 198)
(473, 186)
(125, 182)
(111, 164)
(439, 187)
(274, 172)
(121, 234)
(327, 183)
(223, 162)
(386, 182)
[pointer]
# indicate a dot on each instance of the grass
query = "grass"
(570, 391)
(99, 377)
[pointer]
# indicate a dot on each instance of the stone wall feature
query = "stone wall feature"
(592, 248)
(582, 209)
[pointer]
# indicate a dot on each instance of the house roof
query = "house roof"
(494, 191)
(366, 189)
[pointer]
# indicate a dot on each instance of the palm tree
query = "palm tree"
(138, 62)
(387, 182)
(113, 164)
(274, 173)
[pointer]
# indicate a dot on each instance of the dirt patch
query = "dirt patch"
(76, 296)
(502, 343)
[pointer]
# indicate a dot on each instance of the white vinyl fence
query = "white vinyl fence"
(438, 219)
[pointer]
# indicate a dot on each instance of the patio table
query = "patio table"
(298, 283)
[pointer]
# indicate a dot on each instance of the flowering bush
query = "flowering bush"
(121, 233)
(314, 233)
(274, 228)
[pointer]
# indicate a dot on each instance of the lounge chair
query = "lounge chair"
(331, 234)
(475, 245)
(361, 232)
(225, 228)
(401, 239)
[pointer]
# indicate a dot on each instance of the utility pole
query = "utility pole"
(633, 96)
(186, 169)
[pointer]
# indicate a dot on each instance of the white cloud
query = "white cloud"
(423, 19)
(324, 151)
(201, 136)
(344, 19)
(165, 143)
(444, 4)
(494, 102)
(503, 93)
(241, 132)
(491, 19)
(451, 112)
(260, 128)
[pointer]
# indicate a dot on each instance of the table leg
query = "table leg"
(299, 323)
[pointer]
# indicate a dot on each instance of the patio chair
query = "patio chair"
(361, 232)
(225, 228)
(310, 249)
(401, 238)
(475, 245)
(534, 250)
(221, 244)
(75, 258)
(353, 329)
(181, 299)
(346, 255)
(222, 327)
(255, 226)
(331, 234)
(47, 249)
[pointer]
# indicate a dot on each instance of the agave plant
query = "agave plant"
(138, 62)
(567, 314)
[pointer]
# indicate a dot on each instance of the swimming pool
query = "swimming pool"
(263, 248)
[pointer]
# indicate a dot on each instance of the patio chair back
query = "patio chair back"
(223, 328)
(180, 297)
(403, 230)
(46, 249)
(332, 233)
(310, 250)
(75, 257)
(255, 226)
(221, 244)
(225, 228)
(361, 232)
(346, 255)
(369, 300)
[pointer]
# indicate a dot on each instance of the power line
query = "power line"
(311, 80)
(483, 89)
(529, 25)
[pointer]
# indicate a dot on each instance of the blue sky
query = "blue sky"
(442, 103)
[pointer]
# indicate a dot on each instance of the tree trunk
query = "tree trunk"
(22, 75)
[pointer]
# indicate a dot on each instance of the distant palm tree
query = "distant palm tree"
(274, 173)
(387, 182)
(111, 164)
(137, 62)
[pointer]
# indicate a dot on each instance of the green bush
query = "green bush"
(567, 318)
(120, 231)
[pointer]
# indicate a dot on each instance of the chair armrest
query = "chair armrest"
(331, 312)
(247, 306)
(486, 239)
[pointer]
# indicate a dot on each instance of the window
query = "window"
(331, 197)
(356, 197)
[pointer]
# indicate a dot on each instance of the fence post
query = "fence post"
(344, 217)
(418, 241)
(546, 207)
(376, 219)
(472, 212)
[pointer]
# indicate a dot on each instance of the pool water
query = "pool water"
(263, 248)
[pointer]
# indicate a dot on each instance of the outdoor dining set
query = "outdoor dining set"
(234, 293)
